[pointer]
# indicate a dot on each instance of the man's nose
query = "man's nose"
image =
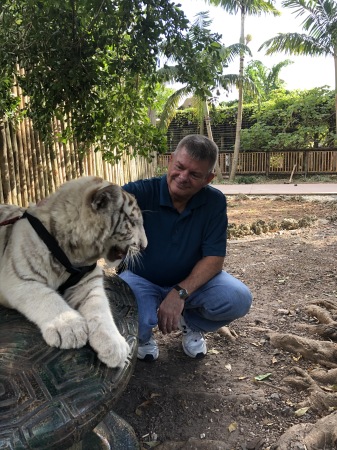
(184, 175)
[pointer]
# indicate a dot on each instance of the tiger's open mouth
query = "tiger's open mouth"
(116, 253)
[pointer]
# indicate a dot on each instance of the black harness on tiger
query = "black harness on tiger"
(76, 273)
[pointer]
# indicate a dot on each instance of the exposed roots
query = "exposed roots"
(325, 311)
(321, 398)
(321, 352)
(321, 435)
(320, 384)
(228, 333)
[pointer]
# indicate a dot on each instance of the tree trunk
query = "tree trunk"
(235, 159)
(210, 136)
(335, 61)
(153, 118)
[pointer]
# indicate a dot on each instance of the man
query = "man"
(178, 281)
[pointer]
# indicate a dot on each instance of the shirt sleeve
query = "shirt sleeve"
(215, 233)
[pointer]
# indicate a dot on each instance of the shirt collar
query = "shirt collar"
(197, 200)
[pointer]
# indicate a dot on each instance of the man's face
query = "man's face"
(186, 176)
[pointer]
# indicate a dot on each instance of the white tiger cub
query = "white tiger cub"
(91, 219)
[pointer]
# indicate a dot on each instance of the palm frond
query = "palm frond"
(276, 69)
(233, 51)
(321, 16)
(249, 7)
(300, 7)
(229, 81)
(167, 74)
(171, 106)
(202, 20)
(296, 44)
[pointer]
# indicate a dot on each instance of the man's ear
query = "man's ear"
(210, 177)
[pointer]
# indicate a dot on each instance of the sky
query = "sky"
(304, 73)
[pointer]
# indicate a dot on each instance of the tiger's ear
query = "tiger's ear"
(106, 198)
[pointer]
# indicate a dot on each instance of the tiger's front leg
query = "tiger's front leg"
(60, 325)
(104, 337)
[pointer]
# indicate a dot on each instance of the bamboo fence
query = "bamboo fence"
(30, 170)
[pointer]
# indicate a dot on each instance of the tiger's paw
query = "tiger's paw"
(111, 347)
(68, 330)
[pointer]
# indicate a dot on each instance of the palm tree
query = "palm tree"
(265, 80)
(320, 23)
(201, 74)
(244, 7)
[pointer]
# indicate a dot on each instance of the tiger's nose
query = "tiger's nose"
(143, 244)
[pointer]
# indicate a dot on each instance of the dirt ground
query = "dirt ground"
(237, 397)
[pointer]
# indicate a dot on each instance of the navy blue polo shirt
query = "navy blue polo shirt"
(177, 241)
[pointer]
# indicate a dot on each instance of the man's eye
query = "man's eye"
(195, 176)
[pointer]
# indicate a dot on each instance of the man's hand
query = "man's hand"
(169, 312)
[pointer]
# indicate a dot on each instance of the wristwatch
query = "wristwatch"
(183, 293)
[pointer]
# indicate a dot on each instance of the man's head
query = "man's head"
(199, 148)
(191, 167)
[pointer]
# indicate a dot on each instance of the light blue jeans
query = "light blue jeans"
(217, 303)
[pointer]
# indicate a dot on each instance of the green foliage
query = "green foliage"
(228, 114)
(319, 24)
(9, 103)
(289, 120)
(199, 66)
(188, 115)
(320, 37)
(94, 60)
(246, 179)
(265, 80)
(162, 93)
(199, 61)
(297, 119)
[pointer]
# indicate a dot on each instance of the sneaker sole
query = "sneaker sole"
(197, 356)
(147, 358)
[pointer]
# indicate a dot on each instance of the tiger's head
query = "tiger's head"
(127, 232)
(92, 219)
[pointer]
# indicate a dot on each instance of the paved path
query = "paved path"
(279, 189)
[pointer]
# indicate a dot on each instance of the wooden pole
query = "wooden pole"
(6, 187)
(12, 166)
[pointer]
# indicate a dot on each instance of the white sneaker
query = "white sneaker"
(148, 351)
(194, 343)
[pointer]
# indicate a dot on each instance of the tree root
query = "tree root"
(321, 399)
(228, 333)
(328, 326)
(321, 352)
(320, 384)
(325, 376)
(321, 435)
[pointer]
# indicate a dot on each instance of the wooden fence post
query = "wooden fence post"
(305, 162)
(267, 163)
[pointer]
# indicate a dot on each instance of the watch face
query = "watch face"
(183, 293)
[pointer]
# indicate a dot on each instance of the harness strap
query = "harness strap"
(10, 221)
(76, 273)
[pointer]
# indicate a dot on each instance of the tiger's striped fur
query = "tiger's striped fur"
(91, 219)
